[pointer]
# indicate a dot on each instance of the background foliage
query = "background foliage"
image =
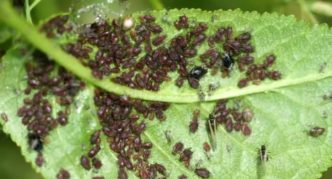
(308, 10)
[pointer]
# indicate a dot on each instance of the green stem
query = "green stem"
(157, 4)
(305, 10)
(27, 11)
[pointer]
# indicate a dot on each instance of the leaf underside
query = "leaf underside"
(284, 110)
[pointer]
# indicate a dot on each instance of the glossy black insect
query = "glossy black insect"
(197, 72)
(227, 61)
(316, 131)
(35, 142)
(263, 154)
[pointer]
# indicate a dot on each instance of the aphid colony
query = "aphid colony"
(121, 123)
(233, 119)
(138, 54)
(36, 112)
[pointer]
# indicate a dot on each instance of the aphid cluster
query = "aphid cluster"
(90, 157)
(256, 73)
(185, 153)
(120, 120)
(56, 26)
(137, 54)
(37, 111)
(231, 118)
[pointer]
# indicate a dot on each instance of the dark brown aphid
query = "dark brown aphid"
(182, 177)
(94, 151)
(97, 164)
(242, 83)
(193, 125)
(263, 155)
(85, 162)
(63, 174)
(95, 137)
(206, 147)
(160, 168)
(35, 142)
(4, 117)
(122, 174)
(40, 159)
(316, 131)
(177, 148)
(202, 172)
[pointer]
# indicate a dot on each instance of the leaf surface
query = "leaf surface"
(284, 110)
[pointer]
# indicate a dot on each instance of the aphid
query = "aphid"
(275, 75)
(85, 163)
(122, 174)
(247, 115)
(202, 172)
(197, 72)
(95, 137)
(168, 136)
(177, 148)
(94, 151)
(316, 131)
(40, 159)
(242, 83)
(4, 117)
(246, 130)
(63, 174)
(193, 82)
(35, 142)
(263, 154)
(182, 177)
(193, 126)
(206, 147)
(160, 168)
(96, 163)
(227, 61)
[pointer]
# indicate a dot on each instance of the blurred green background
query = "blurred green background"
(309, 10)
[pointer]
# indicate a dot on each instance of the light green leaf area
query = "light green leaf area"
(284, 111)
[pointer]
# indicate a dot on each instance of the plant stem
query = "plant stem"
(157, 4)
(27, 11)
(306, 11)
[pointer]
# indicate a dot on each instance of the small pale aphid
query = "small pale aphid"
(263, 154)
(128, 23)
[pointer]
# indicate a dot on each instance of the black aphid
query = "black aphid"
(197, 72)
(35, 142)
(227, 61)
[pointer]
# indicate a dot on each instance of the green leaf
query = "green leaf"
(284, 110)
